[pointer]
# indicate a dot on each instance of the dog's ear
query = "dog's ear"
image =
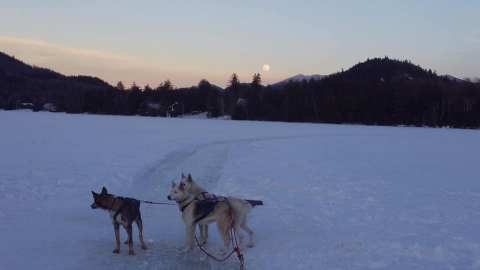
(104, 191)
(189, 178)
(94, 194)
(173, 184)
(183, 175)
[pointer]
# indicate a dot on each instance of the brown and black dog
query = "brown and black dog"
(123, 211)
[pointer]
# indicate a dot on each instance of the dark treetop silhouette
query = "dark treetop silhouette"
(379, 91)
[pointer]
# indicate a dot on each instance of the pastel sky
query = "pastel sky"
(185, 41)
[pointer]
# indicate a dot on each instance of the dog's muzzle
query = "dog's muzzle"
(93, 206)
(169, 198)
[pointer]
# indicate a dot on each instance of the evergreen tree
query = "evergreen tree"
(232, 95)
(166, 85)
(134, 87)
(256, 80)
(147, 88)
(234, 81)
(120, 86)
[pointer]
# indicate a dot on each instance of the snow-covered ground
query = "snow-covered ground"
(336, 197)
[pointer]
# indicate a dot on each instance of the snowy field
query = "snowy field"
(337, 196)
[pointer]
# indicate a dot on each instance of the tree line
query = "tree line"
(379, 91)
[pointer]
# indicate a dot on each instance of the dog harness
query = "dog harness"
(205, 203)
(186, 205)
(125, 201)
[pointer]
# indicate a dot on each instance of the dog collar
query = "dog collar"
(182, 208)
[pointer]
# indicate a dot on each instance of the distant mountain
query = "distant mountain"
(299, 78)
(14, 70)
(453, 78)
(21, 83)
(379, 91)
(11, 67)
(385, 69)
(376, 69)
(217, 88)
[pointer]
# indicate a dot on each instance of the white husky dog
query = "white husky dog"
(202, 212)
(240, 209)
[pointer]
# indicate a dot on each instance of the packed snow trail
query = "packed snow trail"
(336, 197)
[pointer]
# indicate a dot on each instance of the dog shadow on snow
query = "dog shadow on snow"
(159, 255)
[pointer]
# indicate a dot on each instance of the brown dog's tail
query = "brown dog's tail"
(254, 203)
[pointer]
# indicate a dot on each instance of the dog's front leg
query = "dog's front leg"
(116, 228)
(128, 228)
(190, 234)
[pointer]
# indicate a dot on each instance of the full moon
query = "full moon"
(266, 67)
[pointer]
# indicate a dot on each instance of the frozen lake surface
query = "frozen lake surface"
(336, 196)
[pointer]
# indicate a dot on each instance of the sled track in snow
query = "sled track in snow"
(205, 162)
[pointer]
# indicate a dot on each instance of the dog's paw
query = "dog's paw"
(116, 251)
(131, 252)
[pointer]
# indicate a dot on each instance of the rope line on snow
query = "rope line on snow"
(161, 203)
